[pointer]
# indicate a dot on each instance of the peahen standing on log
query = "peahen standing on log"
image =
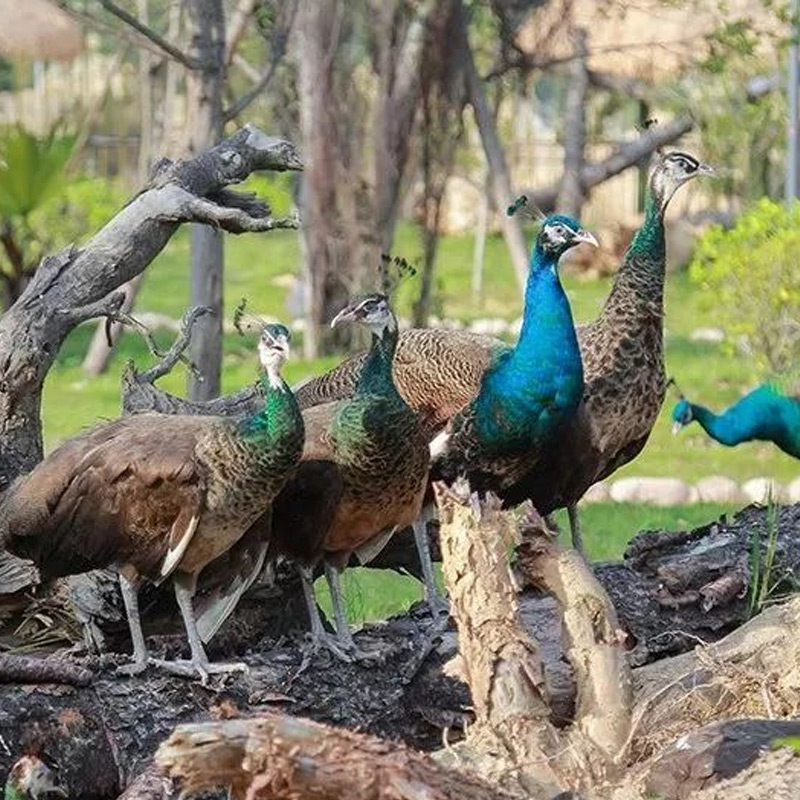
(439, 372)
(363, 475)
(157, 496)
(767, 414)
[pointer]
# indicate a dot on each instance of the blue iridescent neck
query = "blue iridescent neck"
(546, 303)
(376, 374)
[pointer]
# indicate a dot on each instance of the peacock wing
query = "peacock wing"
(436, 371)
(126, 492)
(318, 443)
(223, 582)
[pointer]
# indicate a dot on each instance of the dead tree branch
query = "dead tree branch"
(28, 669)
(282, 758)
(501, 661)
(151, 35)
(76, 283)
(625, 156)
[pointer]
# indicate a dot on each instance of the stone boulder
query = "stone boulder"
(653, 491)
(758, 490)
(719, 489)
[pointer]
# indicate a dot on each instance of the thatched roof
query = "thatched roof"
(649, 39)
(37, 29)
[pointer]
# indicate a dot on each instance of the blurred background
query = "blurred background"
(419, 121)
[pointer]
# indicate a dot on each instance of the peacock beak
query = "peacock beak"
(282, 346)
(585, 236)
(676, 428)
(347, 314)
(707, 170)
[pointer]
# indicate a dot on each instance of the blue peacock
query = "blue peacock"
(529, 390)
(769, 413)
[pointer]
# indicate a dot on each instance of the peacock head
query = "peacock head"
(672, 171)
(682, 415)
(372, 310)
(273, 346)
(559, 233)
(30, 779)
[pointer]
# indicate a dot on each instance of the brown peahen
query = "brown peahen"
(439, 372)
(157, 496)
(363, 474)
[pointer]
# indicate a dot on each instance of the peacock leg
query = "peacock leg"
(319, 636)
(575, 527)
(343, 633)
(131, 600)
(436, 603)
(185, 585)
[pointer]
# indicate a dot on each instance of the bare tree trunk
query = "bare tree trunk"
(479, 247)
(204, 126)
(570, 196)
(317, 40)
(501, 179)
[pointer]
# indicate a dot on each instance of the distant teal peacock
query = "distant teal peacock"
(529, 390)
(767, 414)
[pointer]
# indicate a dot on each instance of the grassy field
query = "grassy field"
(261, 268)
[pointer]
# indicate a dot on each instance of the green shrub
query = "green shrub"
(750, 276)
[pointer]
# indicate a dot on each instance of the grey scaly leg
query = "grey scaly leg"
(343, 633)
(436, 603)
(575, 527)
(185, 585)
(131, 600)
(319, 636)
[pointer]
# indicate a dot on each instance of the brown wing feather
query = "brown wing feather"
(437, 372)
(121, 493)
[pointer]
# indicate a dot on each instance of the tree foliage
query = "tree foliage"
(750, 277)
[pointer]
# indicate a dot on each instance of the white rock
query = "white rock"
(598, 493)
(515, 327)
(489, 327)
(653, 491)
(712, 335)
(793, 491)
(758, 490)
(719, 489)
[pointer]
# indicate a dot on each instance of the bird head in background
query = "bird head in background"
(673, 170)
(681, 415)
(372, 310)
(273, 346)
(560, 233)
(31, 779)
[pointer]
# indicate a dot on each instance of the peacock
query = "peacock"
(529, 390)
(363, 475)
(439, 372)
(156, 496)
(31, 779)
(766, 414)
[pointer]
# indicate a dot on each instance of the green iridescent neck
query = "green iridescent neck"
(649, 239)
(279, 412)
(376, 374)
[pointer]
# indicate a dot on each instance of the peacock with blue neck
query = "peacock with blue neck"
(765, 414)
(530, 389)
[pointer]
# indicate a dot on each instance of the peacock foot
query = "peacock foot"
(438, 605)
(130, 670)
(204, 670)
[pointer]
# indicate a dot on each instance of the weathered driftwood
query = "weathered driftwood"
(276, 757)
(502, 663)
